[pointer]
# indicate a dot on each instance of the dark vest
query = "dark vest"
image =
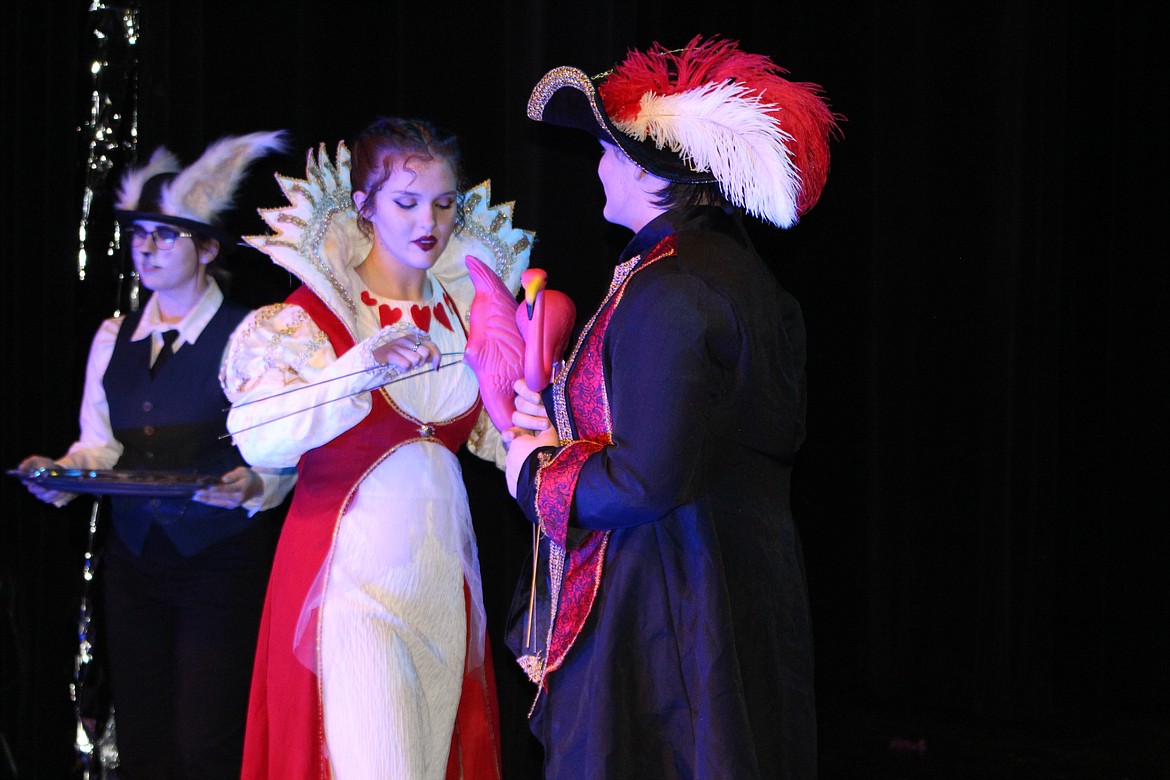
(173, 422)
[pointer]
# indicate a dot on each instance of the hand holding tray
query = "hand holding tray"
(98, 482)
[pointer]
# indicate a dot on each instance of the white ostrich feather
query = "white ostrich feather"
(208, 186)
(724, 129)
(130, 192)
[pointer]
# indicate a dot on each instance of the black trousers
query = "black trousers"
(180, 636)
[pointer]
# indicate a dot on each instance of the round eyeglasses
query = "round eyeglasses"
(164, 237)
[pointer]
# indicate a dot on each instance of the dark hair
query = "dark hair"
(678, 194)
(203, 241)
(215, 266)
(390, 141)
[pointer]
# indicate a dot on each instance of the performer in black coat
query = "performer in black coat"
(669, 633)
(183, 579)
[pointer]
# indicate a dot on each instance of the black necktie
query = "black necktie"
(164, 354)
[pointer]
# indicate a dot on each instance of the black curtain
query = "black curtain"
(981, 497)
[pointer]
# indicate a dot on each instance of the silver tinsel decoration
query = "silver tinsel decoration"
(111, 129)
(111, 135)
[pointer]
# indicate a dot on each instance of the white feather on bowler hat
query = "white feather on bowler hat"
(197, 196)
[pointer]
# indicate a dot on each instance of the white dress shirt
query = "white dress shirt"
(96, 447)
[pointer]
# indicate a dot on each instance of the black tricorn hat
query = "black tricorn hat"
(566, 97)
(706, 113)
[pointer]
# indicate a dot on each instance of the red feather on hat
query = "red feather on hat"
(763, 137)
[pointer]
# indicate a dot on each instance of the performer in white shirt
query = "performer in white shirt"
(182, 578)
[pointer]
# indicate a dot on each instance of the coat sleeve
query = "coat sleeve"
(669, 353)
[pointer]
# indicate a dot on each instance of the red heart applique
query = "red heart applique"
(421, 317)
(441, 316)
(387, 315)
(368, 299)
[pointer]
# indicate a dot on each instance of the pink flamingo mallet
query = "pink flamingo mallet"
(507, 341)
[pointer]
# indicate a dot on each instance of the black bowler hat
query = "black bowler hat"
(196, 197)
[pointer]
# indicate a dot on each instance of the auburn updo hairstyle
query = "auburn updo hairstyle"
(392, 142)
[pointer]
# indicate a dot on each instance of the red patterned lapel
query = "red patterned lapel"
(583, 420)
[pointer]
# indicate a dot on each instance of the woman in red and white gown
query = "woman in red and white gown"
(372, 659)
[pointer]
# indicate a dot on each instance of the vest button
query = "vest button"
(148, 430)
(147, 406)
(149, 455)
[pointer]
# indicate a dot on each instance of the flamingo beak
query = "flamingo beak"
(532, 286)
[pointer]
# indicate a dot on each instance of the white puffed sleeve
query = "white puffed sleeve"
(290, 392)
(486, 442)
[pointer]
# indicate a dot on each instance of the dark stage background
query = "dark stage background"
(982, 497)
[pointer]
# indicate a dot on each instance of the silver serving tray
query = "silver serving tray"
(97, 482)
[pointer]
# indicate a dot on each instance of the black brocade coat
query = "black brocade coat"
(696, 659)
